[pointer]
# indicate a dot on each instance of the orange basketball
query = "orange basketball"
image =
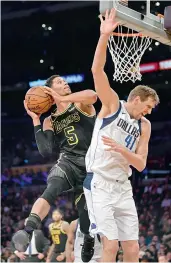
(37, 100)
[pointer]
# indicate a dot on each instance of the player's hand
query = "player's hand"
(61, 257)
(114, 146)
(56, 97)
(109, 24)
(40, 256)
(30, 113)
(20, 255)
(70, 258)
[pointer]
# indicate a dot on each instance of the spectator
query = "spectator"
(149, 237)
(167, 201)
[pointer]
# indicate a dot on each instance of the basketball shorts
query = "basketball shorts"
(111, 208)
(71, 171)
(72, 167)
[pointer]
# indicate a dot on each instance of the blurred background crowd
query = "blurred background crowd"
(60, 38)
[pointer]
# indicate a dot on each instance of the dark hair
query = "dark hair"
(58, 210)
(49, 81)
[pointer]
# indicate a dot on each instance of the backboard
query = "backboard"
(144, 22)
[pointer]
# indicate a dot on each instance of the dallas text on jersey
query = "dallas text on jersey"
(132, 130)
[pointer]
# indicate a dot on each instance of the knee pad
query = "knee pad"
(55, 173)
(57, 184)
(54, 188)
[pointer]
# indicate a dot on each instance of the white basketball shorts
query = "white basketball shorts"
(112, 209)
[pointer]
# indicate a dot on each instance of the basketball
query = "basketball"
(37, 100)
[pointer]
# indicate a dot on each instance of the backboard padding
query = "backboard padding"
(148, 25)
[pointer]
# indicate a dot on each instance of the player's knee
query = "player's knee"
(110, 247)
(52, 191)
(131, 248)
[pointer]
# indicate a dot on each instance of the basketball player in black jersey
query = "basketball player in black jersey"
(58, 231)
(70, 127)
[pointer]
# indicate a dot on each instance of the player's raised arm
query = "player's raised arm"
(107, 96)
(87, 97)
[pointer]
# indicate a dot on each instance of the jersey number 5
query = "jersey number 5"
(130, 140)
(72, 138)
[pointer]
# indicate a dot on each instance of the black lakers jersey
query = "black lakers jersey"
(73, 130)
(59, 237)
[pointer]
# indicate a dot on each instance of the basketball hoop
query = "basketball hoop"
(127, 50)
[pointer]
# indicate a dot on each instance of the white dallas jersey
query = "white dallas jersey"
(79, 239)
(124, 130)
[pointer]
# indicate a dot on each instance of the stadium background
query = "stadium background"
(40, 39)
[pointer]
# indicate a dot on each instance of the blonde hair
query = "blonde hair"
(144, 92)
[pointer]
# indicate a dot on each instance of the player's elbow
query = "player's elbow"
(91, 96)
(46, 152)
(141, 166)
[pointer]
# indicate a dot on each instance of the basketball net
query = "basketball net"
(127, 50)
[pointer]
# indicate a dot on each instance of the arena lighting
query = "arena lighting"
(157, 3)
(41, 60)
(159, 171)
(43, 25)
(165, 64)
(49, 28)
(150, 49)
(74, 78)
(156, 66)
(149, 67)
(157, 43)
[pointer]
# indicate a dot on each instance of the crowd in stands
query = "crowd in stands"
(16, 206)
(153, 201)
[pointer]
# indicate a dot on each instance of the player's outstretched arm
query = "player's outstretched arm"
(108, 97)
(87, 97)
(137, 160)
(69, 248)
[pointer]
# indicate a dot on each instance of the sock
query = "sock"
(88, 237)
(33, 223)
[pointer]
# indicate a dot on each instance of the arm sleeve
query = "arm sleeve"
(44, 140)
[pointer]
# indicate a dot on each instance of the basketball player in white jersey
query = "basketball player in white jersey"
(75, 241)
(120, 139)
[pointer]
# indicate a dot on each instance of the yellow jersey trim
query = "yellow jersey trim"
(56, 115)
(83, 112)
(78, 198)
